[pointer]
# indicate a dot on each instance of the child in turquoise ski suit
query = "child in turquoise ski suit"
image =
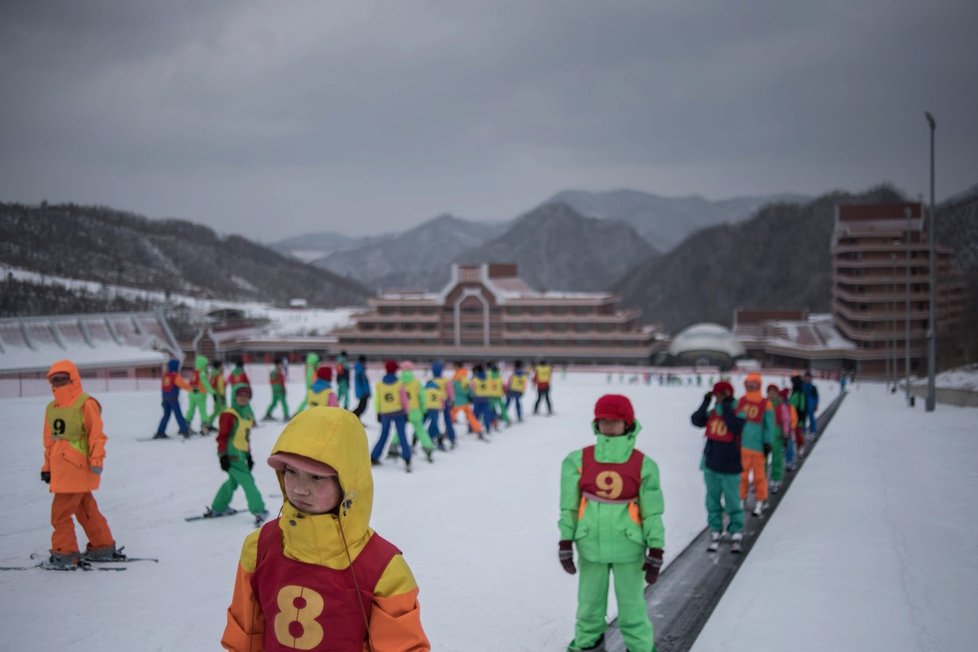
(611, 507)
(343, 380)
(234, 454)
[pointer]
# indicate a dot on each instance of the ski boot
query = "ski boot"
(210, 513)
(185, 434)
(103, 553)
(441, 443)
(260, 517)
(715, 539)
(429, 455)
(393, 453)
(407, 466)
(758, 508)
(452, 444)
(736, 542)
(64, 561)
(374, 462)
(161, 435)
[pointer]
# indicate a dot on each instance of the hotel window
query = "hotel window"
(582, 310)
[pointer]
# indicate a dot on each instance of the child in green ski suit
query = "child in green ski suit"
(234, 453)
(215, 374)
(276, 379)
(312, 363)
(200, 389)
(611, 506)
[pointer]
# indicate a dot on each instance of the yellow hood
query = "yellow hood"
(336, 437)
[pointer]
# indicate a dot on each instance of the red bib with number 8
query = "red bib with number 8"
(610, 481)
(311, 607)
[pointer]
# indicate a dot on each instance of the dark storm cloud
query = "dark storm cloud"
(368, 116)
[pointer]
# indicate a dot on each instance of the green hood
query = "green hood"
(615, 449)
(312, 359)
(201, 363)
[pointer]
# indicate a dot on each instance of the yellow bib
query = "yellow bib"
(390, 397)
(241, 439)
(517, 383)
(434, 397)
(68, 423)
(480, 387)
(319, 398)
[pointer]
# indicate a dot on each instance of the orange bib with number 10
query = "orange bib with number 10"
(611, 482)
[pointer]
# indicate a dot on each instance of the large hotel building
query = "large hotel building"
(487, 311)
(880, 284)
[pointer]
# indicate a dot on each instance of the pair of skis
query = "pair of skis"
(82, 565)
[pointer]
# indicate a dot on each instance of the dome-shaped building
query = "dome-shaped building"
(706, 344)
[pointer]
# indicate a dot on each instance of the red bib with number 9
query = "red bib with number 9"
(608, 480)
(311, 607)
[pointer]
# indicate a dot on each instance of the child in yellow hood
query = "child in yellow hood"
(74, 454)
(319, 578)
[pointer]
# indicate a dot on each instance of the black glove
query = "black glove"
(767, 449)
(225, 462)
(379, 420)
(707, 397)
(728, 402)
(251, 462)
(652, 565)
(566, 556)
(46, 476)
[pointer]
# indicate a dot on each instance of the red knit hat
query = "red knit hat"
(723, 387)
(390, 366)
(774, 387)
(324, 373)
(615, 407)
(784, 394)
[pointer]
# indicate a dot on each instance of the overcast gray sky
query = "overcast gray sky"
(272, 118)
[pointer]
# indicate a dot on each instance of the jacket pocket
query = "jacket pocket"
(73, 457)
(633, 532)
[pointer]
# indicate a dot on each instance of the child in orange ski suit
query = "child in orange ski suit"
(74, 454)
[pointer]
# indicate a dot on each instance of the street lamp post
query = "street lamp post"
(932, 314)
(906, 330)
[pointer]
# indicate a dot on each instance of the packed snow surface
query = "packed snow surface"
(879, 531)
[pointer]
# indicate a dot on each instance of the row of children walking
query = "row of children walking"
(750, 441)
(433, 408)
